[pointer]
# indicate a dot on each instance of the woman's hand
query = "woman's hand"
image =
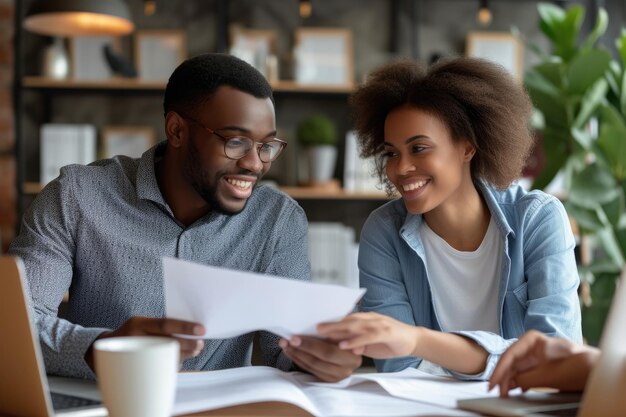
(373, 335)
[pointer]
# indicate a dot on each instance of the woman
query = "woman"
(465, 262)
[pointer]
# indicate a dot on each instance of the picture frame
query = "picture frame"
(324, 56)
(130, 141)
(500, 47)
(257, 47)
(158, 53)
(87, 58)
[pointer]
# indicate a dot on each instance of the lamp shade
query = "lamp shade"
(79, 18)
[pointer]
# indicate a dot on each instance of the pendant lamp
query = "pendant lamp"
(79, 18)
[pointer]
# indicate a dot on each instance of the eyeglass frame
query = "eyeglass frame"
(226, 139)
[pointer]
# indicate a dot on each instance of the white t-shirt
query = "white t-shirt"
(464, 284)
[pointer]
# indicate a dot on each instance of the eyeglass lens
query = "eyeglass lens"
(239, 147)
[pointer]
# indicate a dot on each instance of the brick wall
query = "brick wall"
(8, 193)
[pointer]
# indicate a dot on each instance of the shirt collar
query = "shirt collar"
(410, 229)
(147, 185)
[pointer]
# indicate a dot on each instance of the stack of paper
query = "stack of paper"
(406, 393)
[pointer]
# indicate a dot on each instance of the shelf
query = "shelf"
(301, 193)
(112, 84)
(312, 193)
(135, 84)
(31, 188)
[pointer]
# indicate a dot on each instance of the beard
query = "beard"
(204, 185)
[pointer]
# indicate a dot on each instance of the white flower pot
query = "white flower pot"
(321, 160)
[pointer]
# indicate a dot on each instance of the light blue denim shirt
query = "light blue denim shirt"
(538, 279)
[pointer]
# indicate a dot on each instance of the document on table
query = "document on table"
(362, 396)
(230, 303)
(417, 385)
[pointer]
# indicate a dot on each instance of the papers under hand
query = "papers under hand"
(230, 303)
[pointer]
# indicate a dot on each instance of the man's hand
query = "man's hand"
(321, 358)
(147, 326)
(537, 360)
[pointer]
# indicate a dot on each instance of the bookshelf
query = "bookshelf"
(118, 83)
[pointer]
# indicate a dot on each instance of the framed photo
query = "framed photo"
(158, 53)
(500, 47)
(126, 140)
(257, 47)
(324, 56)
(88, 58)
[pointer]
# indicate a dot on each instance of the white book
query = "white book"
(351, 156)
(65, 144)
(359, 173)
(332, 254)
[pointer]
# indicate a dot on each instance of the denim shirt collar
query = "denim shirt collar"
(410, 229)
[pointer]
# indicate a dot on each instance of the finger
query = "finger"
(164, 326)
(325, 371)
(326, 351)
(360, 341)
(333, 330)
(190, 347)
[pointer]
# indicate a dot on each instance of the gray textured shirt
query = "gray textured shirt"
(99, 232)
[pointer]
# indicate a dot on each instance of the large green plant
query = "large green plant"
(575, 83)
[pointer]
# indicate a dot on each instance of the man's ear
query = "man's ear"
(175, 129)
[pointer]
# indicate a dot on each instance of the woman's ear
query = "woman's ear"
(468, 150)
(175, 129)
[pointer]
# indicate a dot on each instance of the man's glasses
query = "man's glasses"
(236, 147)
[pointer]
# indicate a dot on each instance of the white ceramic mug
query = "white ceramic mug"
(137, 375)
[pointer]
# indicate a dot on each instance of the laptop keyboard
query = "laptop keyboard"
(64, 401)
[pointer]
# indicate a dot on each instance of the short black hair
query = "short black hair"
(477, 100)
(197, 79)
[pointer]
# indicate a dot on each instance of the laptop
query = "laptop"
(24, 388)
(604, 394)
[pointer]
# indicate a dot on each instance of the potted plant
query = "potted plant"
(574, 84)
(318, 135)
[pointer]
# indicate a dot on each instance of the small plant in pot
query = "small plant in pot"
(318, 135)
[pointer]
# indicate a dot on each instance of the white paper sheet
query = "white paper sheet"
(230, 303)
(416, 385)
(362, 397)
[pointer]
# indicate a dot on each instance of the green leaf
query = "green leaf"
(602, 22)
(593, 319)
(622, 96)
(547, 98)
(545, 78)
(611, 246)
(554, 151)
(583, 137)
(567, 32)
(614, 209)
(590, 102)
(620, 44)
(587, 68)
(612, 140)
(620, 235)
(604, 286)
(550, 18)
(593, 185)
(587, 219)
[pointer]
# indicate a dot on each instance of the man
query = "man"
(99, 231)
(537, 360)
